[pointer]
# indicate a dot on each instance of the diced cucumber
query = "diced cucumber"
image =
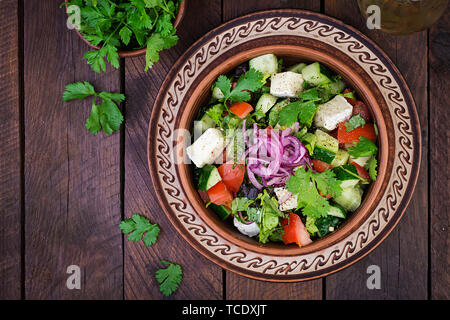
(337, 86)
(326, 141)
(326, 147)
(337, 211)
(209, 176)
(297, 67)
(275, 111)
(309, 141)
(222, 211)
(217, 93)
(350, 198)
(340, 159)
(315, 74)
(267, 64)
(362, 161)
(349, 183)
(203, 124)
(265, 103)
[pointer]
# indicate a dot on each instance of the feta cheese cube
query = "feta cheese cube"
(286, 84)
(207, 148)
(329, 114)
(286, 200)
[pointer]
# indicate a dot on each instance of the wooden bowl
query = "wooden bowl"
(142, 51)
(295, 36)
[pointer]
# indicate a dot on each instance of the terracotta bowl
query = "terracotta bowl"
(142, 51)
(295, 36)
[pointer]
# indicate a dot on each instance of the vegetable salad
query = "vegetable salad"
(284, 153)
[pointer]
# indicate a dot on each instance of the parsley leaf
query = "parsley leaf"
(307, 184)
(136, 226)
(250, 81)
(354, 122)
(105, 115)
(297, 111)
(169, 278)
(372, 166)
(363, 148)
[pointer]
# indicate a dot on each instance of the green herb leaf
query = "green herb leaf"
(372, 165)
(363, 148)
(125, 34)
(297, 111)
(169, 278)
(251, 81)
(136, 226)
(78, 90)
(354, 122)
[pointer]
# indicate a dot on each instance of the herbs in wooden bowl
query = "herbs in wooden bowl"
(125, 28)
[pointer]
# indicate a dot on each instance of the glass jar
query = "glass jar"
(405, 16)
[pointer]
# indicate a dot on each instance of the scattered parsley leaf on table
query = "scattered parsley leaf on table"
(169, 278)
(105, 115)
(363, 148)
(136, 226)
(354, 122)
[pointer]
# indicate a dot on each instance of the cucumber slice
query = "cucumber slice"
(297, 67)
(217, 94)
(326, 141)
(275, 111)
(209, 176)
(221, 211)
(267, 64)
(315, 74)
(340, 159)
(309, 141)
(203, 124)
(337, 211)
(350, 198)
(265, 103)
(326, 147)
(337, 86)
(349, 183)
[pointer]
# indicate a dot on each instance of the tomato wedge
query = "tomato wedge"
(320, 166)
(295, 231)
(241, 109)
(219, 194)
(232, 175)
(361, 171)
(367, 131)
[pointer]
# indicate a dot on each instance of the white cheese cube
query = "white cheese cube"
(207, 148)
(286, 84)
(329, 114)
(286, 200)
(250, 230)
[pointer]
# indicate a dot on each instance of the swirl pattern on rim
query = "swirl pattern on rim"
(392, 197)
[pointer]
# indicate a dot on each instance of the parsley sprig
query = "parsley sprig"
(105, 115)
(126, 25)
(136, 226)
(310, 186)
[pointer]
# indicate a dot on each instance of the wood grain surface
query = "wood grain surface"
(64, 191)
(401, 256)
(10, 154)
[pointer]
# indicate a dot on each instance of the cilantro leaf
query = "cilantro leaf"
(372, 166)
(251, 81)
(354, 122)
(327, 183)
(169, 278)
(311, 94)
(78, 90)
(224, 85)
(136, 226)
(105, 115)
(297, 111)
(363, 148)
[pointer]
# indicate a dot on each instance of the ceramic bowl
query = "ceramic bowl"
(142, 51)
(294, 36)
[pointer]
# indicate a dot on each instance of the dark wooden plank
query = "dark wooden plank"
(239, 287)
(10, 158)
(439, 171)
(201, 278)
(72, 178)
(402, 257)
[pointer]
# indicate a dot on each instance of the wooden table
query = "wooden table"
(63, 191)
